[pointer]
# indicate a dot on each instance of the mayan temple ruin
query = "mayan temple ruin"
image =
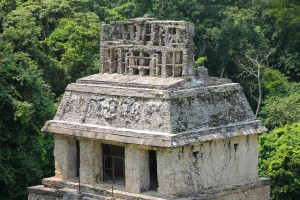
(151, 125)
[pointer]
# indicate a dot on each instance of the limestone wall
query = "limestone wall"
(40, 192)
(90, 161)
(181, 171)
(194, 168)
(33, 196)
(116, 111)
(212, 107)
(182, 111)
(136, 169)
(65, 157)
(257, 193)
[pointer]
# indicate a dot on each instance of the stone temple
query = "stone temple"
(151, 125)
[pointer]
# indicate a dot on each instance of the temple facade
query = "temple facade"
(152, 126)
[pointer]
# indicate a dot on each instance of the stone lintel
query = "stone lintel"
(150, 138)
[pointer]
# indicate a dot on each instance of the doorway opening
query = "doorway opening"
(113, 164)
(153, 170)
(77, 158)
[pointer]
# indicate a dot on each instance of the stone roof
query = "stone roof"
(74, 116)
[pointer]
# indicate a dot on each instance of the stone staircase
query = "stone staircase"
(92, 196)
(57, 189)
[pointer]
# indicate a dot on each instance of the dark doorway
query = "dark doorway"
(77, 158)
(113, 164)
(153, 170)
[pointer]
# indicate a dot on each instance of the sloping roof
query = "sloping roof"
(87, 105)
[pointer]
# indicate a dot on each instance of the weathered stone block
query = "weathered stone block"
(90, 161)
(65, 157)
(198, 167)
(136, 169)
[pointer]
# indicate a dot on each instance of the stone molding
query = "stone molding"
(158, 139)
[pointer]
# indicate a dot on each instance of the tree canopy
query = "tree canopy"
(280, 160)
(25, 103)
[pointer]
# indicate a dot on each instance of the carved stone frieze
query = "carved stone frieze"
(105, 107)
(104, 110)
(130, 109)
(152, 107)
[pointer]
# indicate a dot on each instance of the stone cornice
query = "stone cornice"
(150, 138)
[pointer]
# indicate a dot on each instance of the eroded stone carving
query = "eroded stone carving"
(130, 109)
(152, 107)
(76, 105)
(148, 47)
(102, 107)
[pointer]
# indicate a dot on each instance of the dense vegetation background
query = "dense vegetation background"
(46, 44)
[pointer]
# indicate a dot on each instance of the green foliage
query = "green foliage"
(25, 103)
(74, 44)
(279, 159)
(34, 27)
(200, 61)
(286, 35)
(6, 6)
(239, 34)
(279, 150)
(273, 79)
(281, 106)
(21, 29)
